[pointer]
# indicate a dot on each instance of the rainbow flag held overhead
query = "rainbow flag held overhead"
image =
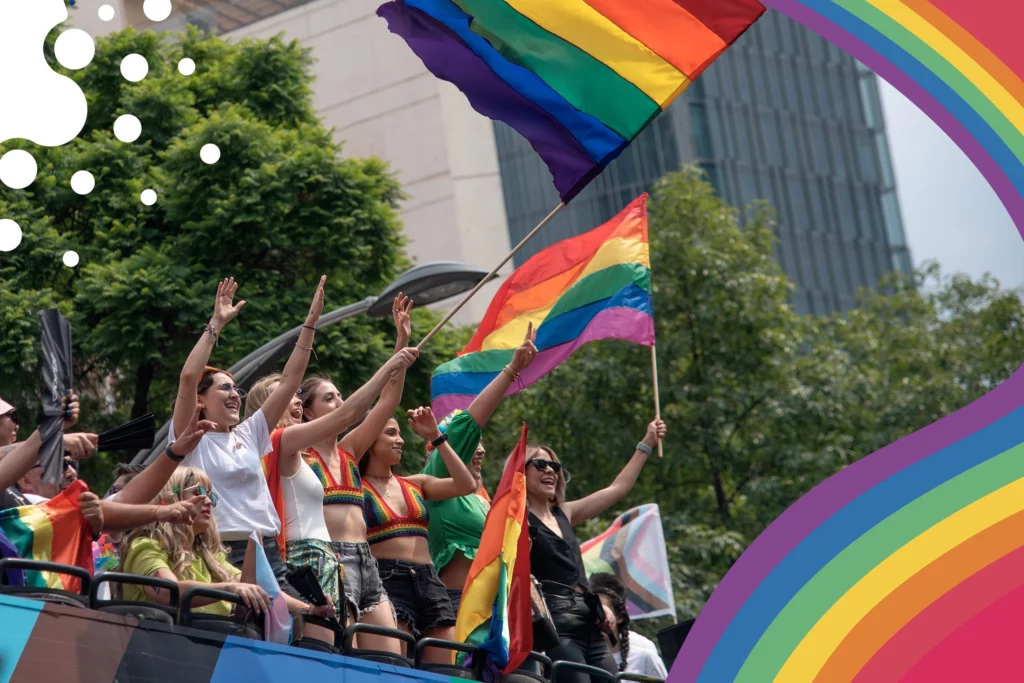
(633, 549)
(54, 531)
(593, 286)
(579, 79)
(496, 614)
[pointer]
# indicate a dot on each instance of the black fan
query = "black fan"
(135, 435)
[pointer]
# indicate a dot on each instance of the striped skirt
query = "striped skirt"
(321, 558)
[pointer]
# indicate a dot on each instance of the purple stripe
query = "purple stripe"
(447, 57)
(822, 502)
(621, 322)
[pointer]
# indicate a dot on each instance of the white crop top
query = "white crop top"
(304, 506)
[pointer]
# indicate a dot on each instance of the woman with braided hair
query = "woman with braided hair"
(633, 653)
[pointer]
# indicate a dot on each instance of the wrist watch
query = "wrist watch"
(644, 448)
(439, 440)
(171, 454)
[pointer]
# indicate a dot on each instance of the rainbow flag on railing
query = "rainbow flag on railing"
(496, 614)
(593, 286)
(633, 548)
(54, 531)
(579, 79)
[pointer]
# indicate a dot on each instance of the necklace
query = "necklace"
(385, 480)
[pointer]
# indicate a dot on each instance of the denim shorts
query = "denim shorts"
(236, 555)
(419, 597)
(361, 581)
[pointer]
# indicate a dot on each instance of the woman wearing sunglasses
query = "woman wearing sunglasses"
(555, 557)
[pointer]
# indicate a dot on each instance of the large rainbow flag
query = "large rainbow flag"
(633, 549)
(593, 286)
(54, 531)
(496, 614)
(579, 79)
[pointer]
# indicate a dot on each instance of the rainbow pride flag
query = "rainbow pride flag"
(593, 286)
(54, 531)
(496, 614)
(579, 79)
(633, 549)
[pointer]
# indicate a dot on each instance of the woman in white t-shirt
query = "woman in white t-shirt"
(633, 653)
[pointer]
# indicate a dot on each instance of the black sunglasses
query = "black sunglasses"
(542, 465)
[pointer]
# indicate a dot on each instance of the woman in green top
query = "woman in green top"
(456, 524)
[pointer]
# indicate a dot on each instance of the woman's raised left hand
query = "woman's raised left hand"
(317, 307)
(655, 432)
(403, 321)
(423, 423)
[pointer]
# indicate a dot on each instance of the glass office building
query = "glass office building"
(784, 116)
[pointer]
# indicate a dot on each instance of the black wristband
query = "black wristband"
(171, 454)
(439, 440)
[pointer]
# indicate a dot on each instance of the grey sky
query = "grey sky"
(950, 213)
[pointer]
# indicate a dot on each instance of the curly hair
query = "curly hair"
(174, 538)
(611, 587)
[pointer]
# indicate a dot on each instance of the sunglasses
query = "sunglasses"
(202, 491)
(544, 465)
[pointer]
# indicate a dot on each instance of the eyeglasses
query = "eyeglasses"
(202, 491)
(242, 393)
(542, 465)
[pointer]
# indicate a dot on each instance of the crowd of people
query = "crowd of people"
(318, 478)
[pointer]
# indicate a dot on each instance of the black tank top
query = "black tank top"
(554, 559)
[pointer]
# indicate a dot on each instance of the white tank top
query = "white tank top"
(304, 506)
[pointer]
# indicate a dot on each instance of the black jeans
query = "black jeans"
(419, 597)
(580, 640)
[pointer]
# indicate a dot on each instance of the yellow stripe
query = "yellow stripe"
(821, 641)
(612, 253)
(42, 541)
(580, 24)
(952, 53)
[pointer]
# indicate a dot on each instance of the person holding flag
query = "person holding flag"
(555, 553)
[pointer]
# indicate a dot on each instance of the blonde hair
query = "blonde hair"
(532, 451)
(258, 395)
(174, 538)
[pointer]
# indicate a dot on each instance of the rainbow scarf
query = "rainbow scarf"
(496, 613)
(590, 287)
(579, 79)
(54, 531)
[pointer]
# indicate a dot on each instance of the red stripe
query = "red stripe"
(996, 23)
(932, 625)
(728, 18)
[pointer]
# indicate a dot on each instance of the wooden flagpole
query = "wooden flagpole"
(494, 272)
(657, 401)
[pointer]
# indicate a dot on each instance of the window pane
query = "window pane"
(884, 160)
(844, 206)
(866, 157)
(893, 222)
(772, 144)
(701, 134)
(819, 148)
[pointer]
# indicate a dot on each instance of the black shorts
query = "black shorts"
(419, 597)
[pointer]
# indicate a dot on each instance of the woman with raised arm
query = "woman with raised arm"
(297, 491)
(457, 524)
(396, 527)
(555, 558)
(230, 452)
(332, 461)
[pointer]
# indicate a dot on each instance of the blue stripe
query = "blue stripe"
(598, 140)
(17, 619)
(569, 325)
(844, 527)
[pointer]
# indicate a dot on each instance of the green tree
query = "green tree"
(278, 209)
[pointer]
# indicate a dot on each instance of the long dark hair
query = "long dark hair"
(609, 585)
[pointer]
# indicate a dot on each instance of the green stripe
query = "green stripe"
(603, 284)
(819, 594)
(956, 80)
(23, 538)
(492, 360)
(585, 82)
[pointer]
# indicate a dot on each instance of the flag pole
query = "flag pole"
(657, 401)
(472, 292)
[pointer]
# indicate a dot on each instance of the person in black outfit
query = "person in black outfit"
(555, 557)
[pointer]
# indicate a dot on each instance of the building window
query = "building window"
(893, 222)
(701, 132)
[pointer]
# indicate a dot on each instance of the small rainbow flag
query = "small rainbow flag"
(54, 531)
(593, 286)
(496, 614)
(579, 79)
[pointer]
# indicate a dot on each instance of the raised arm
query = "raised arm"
(579, 511)
(18, 458)
(224, 310)
(275, 405)
(121, 517)
(301, 436)
(484, 404)
(363, 436)
(461, 482)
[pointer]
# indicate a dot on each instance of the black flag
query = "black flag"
(137, 434)
(56, 342)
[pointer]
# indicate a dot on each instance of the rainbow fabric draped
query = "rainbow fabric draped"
(54, 531)
(579, 79)
(496, 613)
(593, 286)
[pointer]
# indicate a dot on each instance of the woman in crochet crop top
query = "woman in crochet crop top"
(396, 526)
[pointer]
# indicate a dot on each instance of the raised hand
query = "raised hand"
(224, 308)
(526, 352)
(80, 446)
(317, 307)
(72, 410)
(181, 512)
(89, 504)
(403, 359)
(193, 434)
(423, 423)
(403, 322)
(655, 432)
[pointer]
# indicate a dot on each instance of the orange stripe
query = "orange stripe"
(665, 28)
(971, 45)
(911, 598)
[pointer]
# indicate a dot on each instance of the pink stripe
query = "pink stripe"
(623, 323)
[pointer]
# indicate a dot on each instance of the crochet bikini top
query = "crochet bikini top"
(349, 490)
(382, 523)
